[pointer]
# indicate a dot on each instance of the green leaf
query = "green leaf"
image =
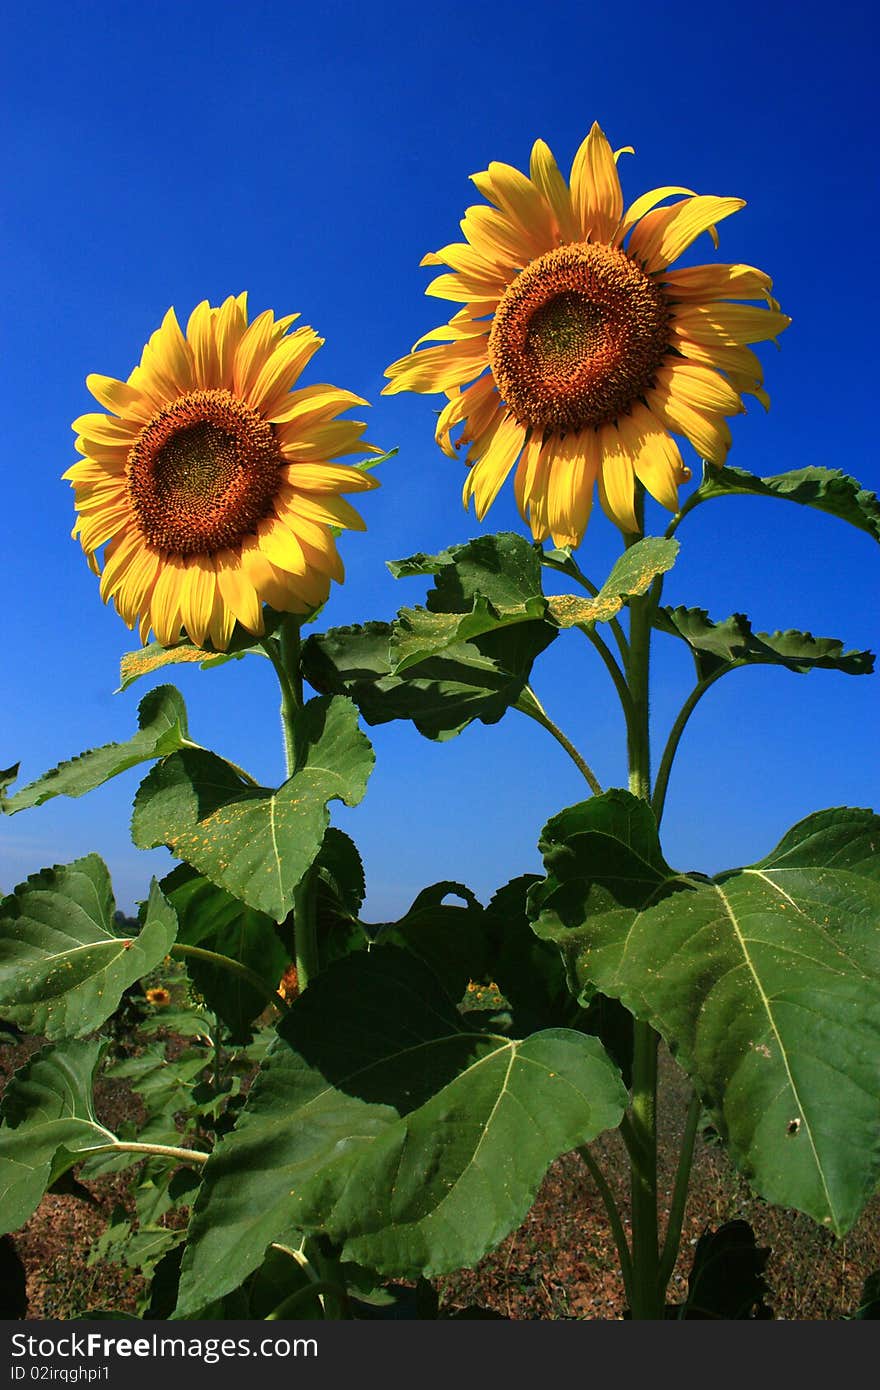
(162, 729)
(46, 1122)
(13, 1282)
(727, 1276)
(65, 961)
(210, 917)
(732, 642)
(418, 634)
(825, 489)
(252, 841)
(154, 657)
(633, 573)
(765, 982)
(165, 1086)
(448, 938)
(414, 1144)
(467, 655)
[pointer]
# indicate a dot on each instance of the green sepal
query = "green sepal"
(65, 959)
(162, 729)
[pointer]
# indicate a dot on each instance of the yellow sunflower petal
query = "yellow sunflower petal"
(700, 387)
(238, 593)
(230, 326)
(135, 587)
(709, 434)
(595, 188)
(487, 476)
(438, 368)
(656, 458)
(646, 203)
(524, 204)
(120, 397)
(616, 479)
(200, 336)
(291, 505)
(282, 370)
(321, 442)
(251, 353)
(328, 478)
(547, 178)
(707, 282)
(165, 601)
(526, 473)
(729, 325)
(661, 236)
(313, 404)
(496, 237)
(197, 597)
(570, 486)
(460, 407)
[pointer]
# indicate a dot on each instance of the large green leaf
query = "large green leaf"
(64, 959)
(448, 937)
(213, 919)
(765, 982)
(419, 634)
(414, 1144)
(826, 489)
(46, 1121)
(733, 643)
(162, 729)
(252, 841)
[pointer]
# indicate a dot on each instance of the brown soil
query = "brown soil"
(560, 1263)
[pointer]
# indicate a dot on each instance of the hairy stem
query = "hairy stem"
(528, 703)
(120, 1146)
(679, 1198)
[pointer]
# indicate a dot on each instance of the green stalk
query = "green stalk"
(679, 1198)
(643, 1112)
(528, 703)
(120, 1146)
(318, 1290)
(235, 967)
(675, 733)
(614, 1218)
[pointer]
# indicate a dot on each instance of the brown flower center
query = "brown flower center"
(577, 337)
(203, 473)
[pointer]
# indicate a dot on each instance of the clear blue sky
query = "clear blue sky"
(160, 154)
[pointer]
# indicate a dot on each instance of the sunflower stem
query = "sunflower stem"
(528, 703)
(614, 1218)
(646, 1302)
(120, 1146)
(672, 1239)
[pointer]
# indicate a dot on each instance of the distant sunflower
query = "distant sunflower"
(160, 998)
(213, 482)
(596, 351)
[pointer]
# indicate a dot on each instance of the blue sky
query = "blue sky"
(161, 154)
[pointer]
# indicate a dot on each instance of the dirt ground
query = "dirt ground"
(560, 1263)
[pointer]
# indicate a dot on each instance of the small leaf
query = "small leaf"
(162, 729)
(765, 982)
(732, 642)
(254, 842)
(381, 1121)
(825, 489)
(47, 1123)
(634, 572)
(65, 961)
(210, 917)
(449, 938)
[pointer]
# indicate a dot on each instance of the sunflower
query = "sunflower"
(579, 352)
(212, 482)
(159, 997)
